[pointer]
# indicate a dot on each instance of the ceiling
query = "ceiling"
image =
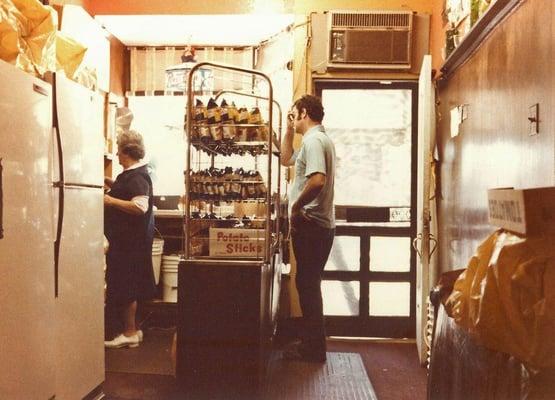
(178, 30)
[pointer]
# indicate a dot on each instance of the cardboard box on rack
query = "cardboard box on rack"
(236, 242)
(524, 211)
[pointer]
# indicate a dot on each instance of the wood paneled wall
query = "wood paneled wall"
(119, 67)
(512, 70)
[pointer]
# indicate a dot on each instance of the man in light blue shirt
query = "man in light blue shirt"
(312, 219)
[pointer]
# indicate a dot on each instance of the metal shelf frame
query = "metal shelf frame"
(269, 247)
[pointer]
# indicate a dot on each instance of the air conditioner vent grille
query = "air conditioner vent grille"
(372, 20)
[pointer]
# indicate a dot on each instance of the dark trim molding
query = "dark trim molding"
(476, 36)
(96, 394)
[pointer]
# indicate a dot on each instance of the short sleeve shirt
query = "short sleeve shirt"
(316, 155)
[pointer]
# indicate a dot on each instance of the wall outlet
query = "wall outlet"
(464, 112)
(534, 119)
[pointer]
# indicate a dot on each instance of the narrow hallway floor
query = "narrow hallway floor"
(146, 372)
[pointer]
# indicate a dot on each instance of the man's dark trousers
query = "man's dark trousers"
(311, 245)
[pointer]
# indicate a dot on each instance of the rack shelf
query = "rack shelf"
(212, 147)
(203, 190)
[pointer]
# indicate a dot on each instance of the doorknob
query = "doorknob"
(434, 241)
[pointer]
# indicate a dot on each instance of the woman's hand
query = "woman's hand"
(108, 200)
(108, 183)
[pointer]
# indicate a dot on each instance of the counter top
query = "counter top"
(168, 213)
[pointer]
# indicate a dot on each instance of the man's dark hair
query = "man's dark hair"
(312, 105)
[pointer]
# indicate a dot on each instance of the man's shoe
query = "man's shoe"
(122, 341)
(299, 353)
(140, 335)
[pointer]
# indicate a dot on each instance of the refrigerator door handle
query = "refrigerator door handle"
(1, 201)
(59, 225)
(59, 184)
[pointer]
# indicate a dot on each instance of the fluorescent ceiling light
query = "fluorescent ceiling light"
(178, 30)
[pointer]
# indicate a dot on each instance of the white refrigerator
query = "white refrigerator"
(51, 229)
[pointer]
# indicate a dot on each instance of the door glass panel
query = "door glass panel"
(371, 130)
(389, 299)
(341, 298)
(345, 254)
(389, 254)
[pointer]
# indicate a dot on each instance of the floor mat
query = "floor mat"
(342, 377)
(153, 356)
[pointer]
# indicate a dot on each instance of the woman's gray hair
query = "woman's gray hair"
(131, 143)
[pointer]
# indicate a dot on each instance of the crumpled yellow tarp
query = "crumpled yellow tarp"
(28, 35)
(506, 297)
(69, 54)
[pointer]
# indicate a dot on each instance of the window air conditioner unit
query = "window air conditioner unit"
(369, 39)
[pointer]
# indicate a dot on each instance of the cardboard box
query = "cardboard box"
(524, 211)
(236, 242)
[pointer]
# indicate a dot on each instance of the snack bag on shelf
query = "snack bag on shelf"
(221, 185)
(199, 246)
(200, 119)
(233, 112)
(251, 186)
(228, 178)
(253, 133)
(214, 120)
(227, 121)
(261, 190)
(243, 118)
(236, 184)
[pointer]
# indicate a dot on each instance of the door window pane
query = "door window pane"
(345, 254)
(371, 130)
(389, 299)
(390, 254)
(341, 298)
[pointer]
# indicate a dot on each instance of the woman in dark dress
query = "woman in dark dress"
(129, 228)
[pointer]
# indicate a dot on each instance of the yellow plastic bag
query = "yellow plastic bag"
(42, 24)
(506, 297)
(28, 35)
(466, 289)
(69, 54)
(10, 26)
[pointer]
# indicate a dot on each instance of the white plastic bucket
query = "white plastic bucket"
(169, 278)
(157, 250)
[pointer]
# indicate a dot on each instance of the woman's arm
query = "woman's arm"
(126, 206)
